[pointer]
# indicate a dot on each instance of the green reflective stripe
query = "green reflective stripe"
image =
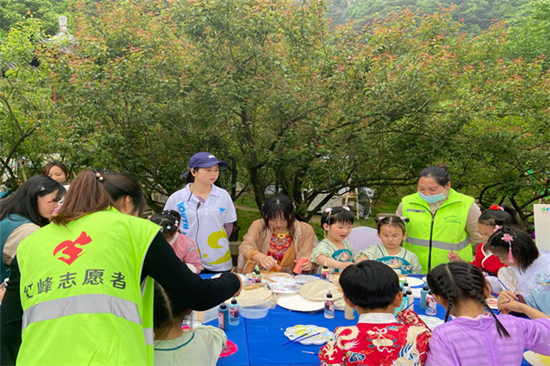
(438, 244)
(81, 304)
(149, 336)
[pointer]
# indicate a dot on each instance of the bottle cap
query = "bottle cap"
(425, 288)
(233, 301)
(329, 295)
(223, 306)
(409, 292)
(405, 283)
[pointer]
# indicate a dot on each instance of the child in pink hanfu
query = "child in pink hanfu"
(184, 247)
(476, 336)
(379, 338)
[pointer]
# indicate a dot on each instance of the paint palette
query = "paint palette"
(304, 331)
(284, 287)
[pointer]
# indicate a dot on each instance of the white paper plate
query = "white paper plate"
(414, 282)
(297, 303)
(431, 321)
(536, 359)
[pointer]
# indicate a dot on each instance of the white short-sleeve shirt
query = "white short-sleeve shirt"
(203, 223)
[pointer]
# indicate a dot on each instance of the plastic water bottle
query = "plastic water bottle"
(257, 276)
(234, 312)
(410, 297)
(423, 294)
(431, 305)
(223, 317)
(325, 272)
(329, 306)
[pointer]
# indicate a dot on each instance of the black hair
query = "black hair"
(370, 284)
(24, 201)
(439, 173)
(169, 221)
(334, 215)
(166, 314)
(500, 215)
(459, 281)
(523, 248)
(392, 221)
(279, 206)
(121, 185)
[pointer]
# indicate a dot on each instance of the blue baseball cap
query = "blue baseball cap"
(204, 160)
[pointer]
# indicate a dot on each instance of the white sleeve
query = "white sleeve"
(230, 213)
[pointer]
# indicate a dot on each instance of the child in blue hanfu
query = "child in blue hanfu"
(392, 232)
(335, 251)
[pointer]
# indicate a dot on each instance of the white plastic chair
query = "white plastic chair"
(363, 237)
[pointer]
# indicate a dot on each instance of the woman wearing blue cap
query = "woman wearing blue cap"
(207, 212)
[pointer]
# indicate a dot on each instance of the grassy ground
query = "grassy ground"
(247, 212)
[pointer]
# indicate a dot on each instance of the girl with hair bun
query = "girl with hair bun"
(184, 247)
(515, 248)
(490, 221)
(476, 336)
(392, 232)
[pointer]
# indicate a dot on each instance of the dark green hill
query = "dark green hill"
(476, 15)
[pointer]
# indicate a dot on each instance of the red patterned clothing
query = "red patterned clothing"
(379, 339)
(279, 245)
(486, 261)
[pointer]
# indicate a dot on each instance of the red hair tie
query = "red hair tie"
(496, 208)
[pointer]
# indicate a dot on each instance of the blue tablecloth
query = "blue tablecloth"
(260, 341)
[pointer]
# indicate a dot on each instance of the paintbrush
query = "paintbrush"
(301, 338)
(503, 285)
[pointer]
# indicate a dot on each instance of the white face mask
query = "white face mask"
(433, 198)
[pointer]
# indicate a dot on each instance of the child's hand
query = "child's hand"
(452, 256)
(307, 266)
(506, 301)
(266, 262)
(511, 305)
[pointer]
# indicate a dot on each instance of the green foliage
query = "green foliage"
(288, 100)
(48, 11)
(27, 112)
(530, 37)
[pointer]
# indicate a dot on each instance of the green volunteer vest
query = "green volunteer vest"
(445, 230)
(80, 292)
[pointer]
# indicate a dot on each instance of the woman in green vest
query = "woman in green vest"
(81, 289)
(441, 220)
